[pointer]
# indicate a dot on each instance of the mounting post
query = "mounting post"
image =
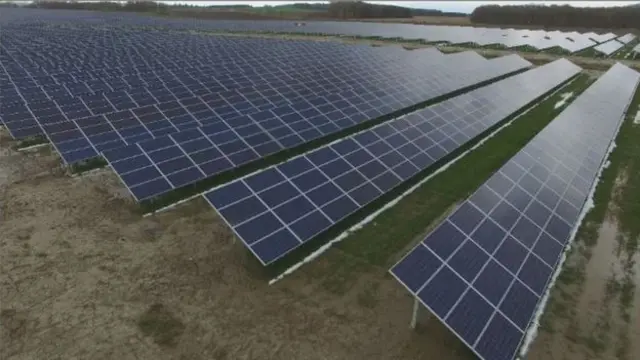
(416, 308)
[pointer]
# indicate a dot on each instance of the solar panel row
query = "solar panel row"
(609, 47)
(24, 119)
(200, 50)
(152, 87)
(278, 209)
(455, 34)
(484, 269)
(227, 143)
(625, 39)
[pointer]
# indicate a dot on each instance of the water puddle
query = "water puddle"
(564, 98)
(608, 323)
(594, 322)
(605, 260)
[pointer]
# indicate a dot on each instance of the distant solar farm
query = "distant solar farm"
(288, 139)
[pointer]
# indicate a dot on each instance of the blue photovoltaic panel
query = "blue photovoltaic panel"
(82, 35)
(181, 108)
(287, 126)
(275, 210)
(626, 38)
(305, 63)
(609, 47)
(60, 87)
(485, 268)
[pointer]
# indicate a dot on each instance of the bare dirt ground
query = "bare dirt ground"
(84, 276)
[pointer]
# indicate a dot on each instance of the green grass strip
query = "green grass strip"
(380, 244)
(396, 228)
(31, 141)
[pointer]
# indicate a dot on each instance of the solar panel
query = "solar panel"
(237, 141)
(161, 91)
(278, 209)
(609, 47)
(625, 39)
(484, 269)
(169, 82)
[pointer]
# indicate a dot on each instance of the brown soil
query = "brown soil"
(84, 276)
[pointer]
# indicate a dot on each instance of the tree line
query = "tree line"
(132, 6)
(558, 16)
(362, 10)
(334, 10)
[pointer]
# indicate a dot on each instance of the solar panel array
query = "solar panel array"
(600, 38)
(484, 269)
(43, 86)
(278, 209)
(539, 39)
(150, 168)
(625, 39)
(609, 47)
(152, 91)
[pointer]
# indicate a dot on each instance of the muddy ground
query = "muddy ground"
(84, 276)
(594, 311)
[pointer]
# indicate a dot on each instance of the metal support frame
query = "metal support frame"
(416, 309)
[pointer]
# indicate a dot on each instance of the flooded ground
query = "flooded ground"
(594, 312)
(84, 276)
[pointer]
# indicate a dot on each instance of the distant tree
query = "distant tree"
(558, 16)
(362, 10)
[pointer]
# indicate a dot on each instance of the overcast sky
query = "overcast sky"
(457, 6)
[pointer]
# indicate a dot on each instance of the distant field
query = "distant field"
(432, 20)
(466, 21)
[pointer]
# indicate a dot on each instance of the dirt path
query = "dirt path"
(83, 276)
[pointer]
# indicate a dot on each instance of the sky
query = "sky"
(453, 6)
